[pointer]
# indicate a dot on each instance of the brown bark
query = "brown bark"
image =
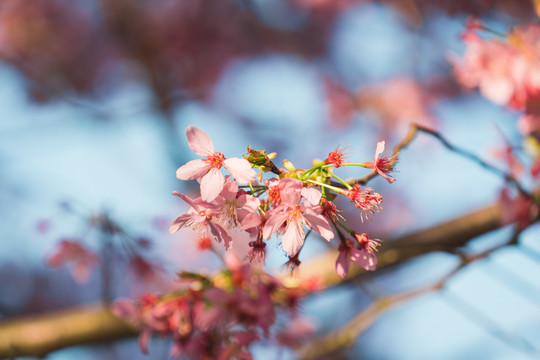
(41, 334)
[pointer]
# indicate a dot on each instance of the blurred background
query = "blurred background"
(94, 101)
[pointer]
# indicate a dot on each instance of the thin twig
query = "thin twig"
(325, 345)
(413, 132)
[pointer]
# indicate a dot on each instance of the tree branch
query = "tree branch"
(442, 237)
(42, 334)
(346, 336)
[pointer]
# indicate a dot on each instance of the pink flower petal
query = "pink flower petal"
(192, 170)
(343, 264)
(240, 169)
(248, 202)
(273, 223)
(379, 149)
(290, 198)
(312, 195)
(364, 259)
(179, 223)
(199, 141)
(386, 176)
(250, 221)
(290, 184)
(230, 189)
(144, 337)
(320, 225)
(293, 238)
(220, 234)
(498, 89)
(232, 261)
(211, 184)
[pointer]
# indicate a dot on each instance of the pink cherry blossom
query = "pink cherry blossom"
(383, 165)
(202, 218)
(277, 186)
(336, 157)
(365, 199)
(343, 262)
(506, 71)
(329, 210)
(208, 169)
(292, 215)
(233, 205)
(364, 253)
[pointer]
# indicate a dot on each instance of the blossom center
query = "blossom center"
(295, 214)
(274, 195)
(215, 160)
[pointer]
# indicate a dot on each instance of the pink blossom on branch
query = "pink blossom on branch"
(202, 218)
(277, 186)
(363, 254)
(208, 169)
(365, 199)
(233, 205)
(383, 165)
(292, 215)
(336, 157)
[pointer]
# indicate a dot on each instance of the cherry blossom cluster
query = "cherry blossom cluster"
(220, 316)
(285, 205)
(506, 70)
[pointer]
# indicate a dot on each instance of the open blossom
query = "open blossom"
(83, 261)
(383, 165)
(365, 257)
(365, 199)
(362, 254)
(202, 218)
(233, 205)
(293, 215)
(208, 169)
(329, 210)
(277, 186)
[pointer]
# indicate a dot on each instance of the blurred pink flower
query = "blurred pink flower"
(506, 71)
(82, 260)
(517, 209)
(298, 331)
